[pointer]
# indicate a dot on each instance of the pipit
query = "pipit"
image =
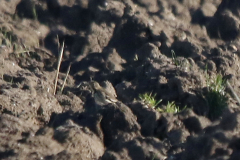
(101, 95)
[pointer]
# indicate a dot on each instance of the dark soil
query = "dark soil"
(129, 43)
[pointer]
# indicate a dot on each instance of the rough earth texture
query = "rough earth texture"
(129, 43)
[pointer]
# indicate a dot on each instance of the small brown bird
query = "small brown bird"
(101, 95)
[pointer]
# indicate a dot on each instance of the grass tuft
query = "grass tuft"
(216, 97)
(149, 100)
(176, 61)
(172, 107)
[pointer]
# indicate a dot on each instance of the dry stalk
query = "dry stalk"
(233, 92)
(58, 67)
(64, 82)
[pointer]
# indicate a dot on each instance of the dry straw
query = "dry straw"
(58, 67)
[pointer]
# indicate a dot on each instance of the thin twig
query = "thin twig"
(58, 67)
(64, 82)
(233, 92)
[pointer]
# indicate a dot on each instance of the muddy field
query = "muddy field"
(173, 65)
